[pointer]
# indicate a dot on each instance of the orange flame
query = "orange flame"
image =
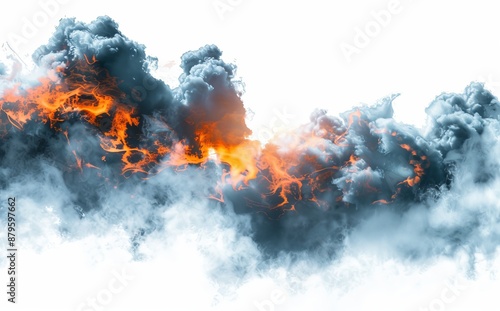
(417, 167)
(92, 94)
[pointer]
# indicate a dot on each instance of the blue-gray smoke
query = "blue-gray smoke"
(461, 131)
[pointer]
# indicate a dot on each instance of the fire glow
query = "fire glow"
(293, 167)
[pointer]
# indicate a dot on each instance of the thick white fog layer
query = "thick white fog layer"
(201, 257)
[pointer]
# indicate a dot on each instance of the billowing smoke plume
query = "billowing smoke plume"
(98, 114)
(93, 112)
(342, 169)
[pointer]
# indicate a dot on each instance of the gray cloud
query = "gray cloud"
(347, 183)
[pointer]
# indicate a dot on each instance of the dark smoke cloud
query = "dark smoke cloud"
(208, 89)
(120, 68)
(461, 130)
(457, 124)
(356, 166)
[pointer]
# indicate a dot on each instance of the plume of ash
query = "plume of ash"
(352, 182)
(367, 164)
